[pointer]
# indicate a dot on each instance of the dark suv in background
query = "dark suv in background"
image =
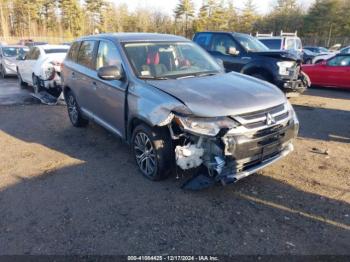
(246, 54)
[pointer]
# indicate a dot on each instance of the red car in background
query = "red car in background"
(334, 72)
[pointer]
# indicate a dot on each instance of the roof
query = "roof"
(135, 37)
(46, 47)
(19, 46)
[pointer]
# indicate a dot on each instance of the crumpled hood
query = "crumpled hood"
(288, 55)
(222, 94)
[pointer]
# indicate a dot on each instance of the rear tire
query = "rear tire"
(152, 149)
(74, 112)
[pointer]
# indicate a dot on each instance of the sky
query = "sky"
(167, 6)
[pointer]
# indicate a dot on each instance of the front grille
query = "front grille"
(264, 118)
(294, 73)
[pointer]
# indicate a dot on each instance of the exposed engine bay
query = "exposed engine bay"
(230, 154)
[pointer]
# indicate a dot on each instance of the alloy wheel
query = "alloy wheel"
(145, 154)
(72, 109)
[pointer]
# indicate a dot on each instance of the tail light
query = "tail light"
(50, 73)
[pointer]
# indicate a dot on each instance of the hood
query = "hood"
(222, 94)
(286, 55)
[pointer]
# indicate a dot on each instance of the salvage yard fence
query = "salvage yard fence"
(50, 40)
(325, 41)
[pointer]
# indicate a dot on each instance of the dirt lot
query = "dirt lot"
(77, 191)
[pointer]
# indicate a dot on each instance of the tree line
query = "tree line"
(325, 19)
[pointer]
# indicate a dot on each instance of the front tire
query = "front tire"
(260, 76)
(74, 111)
(152, 149)
(21, 83)
(36, 84)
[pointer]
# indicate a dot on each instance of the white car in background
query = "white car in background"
(320, 58)
(41, 67)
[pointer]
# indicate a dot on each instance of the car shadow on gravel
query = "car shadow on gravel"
(104, 206)
(323, 123)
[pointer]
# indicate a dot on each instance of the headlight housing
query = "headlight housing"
(205, 126)
(284, 67)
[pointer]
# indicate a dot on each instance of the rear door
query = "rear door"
(26, 67)
(110, 95)
(84, 75)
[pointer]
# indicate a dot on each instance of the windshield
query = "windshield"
(12, 51)
(323, 50)
(169, 60)
(251, 44)
(273, 44)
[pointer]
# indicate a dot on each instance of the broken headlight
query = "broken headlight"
(284, 67)
(205, 126)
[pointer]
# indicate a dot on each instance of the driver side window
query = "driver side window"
(339, 61)
(107, 55)
(221, 43)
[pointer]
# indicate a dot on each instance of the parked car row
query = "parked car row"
(217, 111)
(38, 65)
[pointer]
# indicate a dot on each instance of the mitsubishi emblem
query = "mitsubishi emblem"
(270, 120)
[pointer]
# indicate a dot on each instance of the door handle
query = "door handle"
(94, 85)
(73, 76)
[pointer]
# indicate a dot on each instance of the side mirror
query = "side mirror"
(233, 51)
(110, 73)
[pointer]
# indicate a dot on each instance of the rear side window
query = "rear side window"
(73, 51)
(86, 54)
(290, 44)
(203, 40)
(107, 55)
(274, 44)
(339, 61)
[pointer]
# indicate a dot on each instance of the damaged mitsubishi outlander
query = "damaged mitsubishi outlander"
(176, 107)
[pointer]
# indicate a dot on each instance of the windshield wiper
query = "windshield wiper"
(206, 74)
(153, 78)
(188, 76)
(197, 75)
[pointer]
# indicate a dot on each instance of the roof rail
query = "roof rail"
(289, 34)
(264, 35)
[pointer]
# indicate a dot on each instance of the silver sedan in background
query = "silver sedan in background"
(8, 55)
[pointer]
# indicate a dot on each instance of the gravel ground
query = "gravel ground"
(65, 190)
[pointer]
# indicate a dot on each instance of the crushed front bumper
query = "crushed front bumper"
(229, 177)
(298, 82)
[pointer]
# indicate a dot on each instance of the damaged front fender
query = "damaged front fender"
(152, 106)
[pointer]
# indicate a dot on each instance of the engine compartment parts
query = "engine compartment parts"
(189, 156)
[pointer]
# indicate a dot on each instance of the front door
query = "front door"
(220, 45)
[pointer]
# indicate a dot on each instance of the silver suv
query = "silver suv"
(176, 107)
